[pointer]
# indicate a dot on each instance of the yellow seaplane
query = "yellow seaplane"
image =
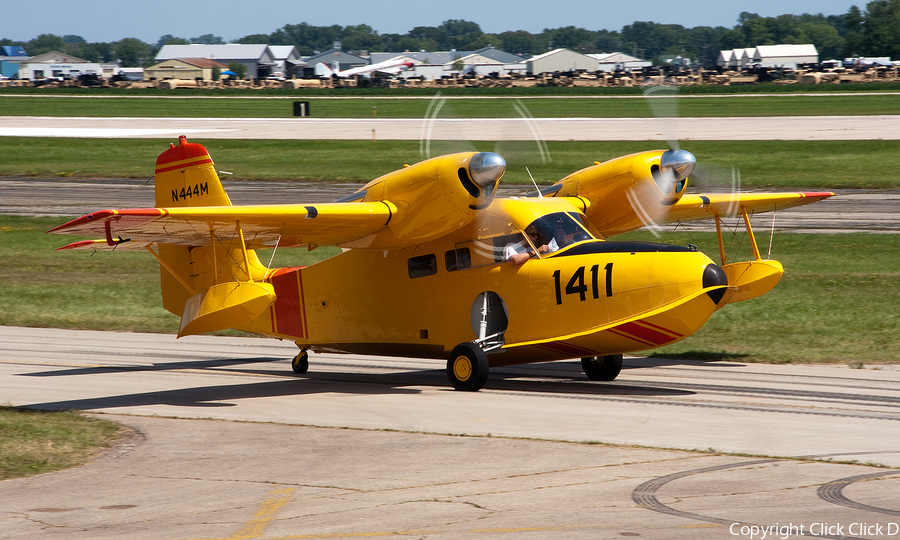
(436, 265)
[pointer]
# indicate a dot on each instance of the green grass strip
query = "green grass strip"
(762, 164)
(187, 105)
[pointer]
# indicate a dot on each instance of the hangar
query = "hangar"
(561, 60)
(785, 56)
(258, 59)
(609, 62)
(287, 61)
(185, 69)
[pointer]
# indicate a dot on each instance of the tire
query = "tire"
(602, 368)
(467, 367)
(300, 363)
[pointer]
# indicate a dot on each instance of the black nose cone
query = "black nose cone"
(713, 276)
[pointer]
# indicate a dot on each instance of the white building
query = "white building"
(287, 61)
(785, 56)
(55, 64)
(609, 62)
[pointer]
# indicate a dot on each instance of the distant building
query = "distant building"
(446, 57)
(735, 59)
(258, 59)
(10, 55)
(489, 64)
(287, 61)
(57, 65)
(561, 60)
(184, 68)
(726, 59)
(785, 56)
(13, 52)
(609, 62)
(433, 58)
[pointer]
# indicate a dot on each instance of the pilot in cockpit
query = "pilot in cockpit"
(546, 235)
(519, 252)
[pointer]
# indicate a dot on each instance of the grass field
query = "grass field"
(273, 106)
(35, 442)
(770, 164)
(836, 303)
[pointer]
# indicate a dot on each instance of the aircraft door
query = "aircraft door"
(490, 318)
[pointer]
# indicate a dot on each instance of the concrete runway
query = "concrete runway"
(885, 127)
(242, 448)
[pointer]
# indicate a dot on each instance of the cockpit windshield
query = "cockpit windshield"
(557, 231)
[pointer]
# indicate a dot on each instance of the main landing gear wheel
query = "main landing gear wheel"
(602, 368)
(300, 363)
(467, 367)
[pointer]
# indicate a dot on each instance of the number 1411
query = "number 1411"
(576, 284)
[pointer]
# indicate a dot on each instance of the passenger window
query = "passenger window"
(458, 259)
(424, 265)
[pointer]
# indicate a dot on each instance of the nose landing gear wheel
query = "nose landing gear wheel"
(300, 363)
(467, 367)
(602, 368)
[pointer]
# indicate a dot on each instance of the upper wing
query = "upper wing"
(262, 226)
(697, 207)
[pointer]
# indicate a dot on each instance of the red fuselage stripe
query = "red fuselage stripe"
(645, 334)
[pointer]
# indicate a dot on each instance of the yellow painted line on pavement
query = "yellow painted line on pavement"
(256, 526)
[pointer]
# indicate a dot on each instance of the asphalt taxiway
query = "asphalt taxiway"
(227, 442)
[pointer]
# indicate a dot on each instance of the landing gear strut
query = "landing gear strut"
(602, 368)
(300, 363)
(467, 367)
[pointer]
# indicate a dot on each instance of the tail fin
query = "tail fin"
(185, 176)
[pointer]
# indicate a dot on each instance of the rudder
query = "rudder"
(186, 176)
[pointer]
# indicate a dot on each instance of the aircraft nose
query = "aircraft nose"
(714, 276)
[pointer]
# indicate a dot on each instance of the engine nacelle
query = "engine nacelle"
(433, 197)
(630, 191)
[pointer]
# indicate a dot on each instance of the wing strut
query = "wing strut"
(750, 233)
(244, 251)
(721, 242)
(173, 272)
(747, 279)
(212, 247)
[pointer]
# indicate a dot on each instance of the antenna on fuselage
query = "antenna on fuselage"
(540, 195)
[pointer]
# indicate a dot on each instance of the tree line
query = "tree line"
(873, 31)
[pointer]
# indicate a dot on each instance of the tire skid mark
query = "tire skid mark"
(645, 496)
(833, 492)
